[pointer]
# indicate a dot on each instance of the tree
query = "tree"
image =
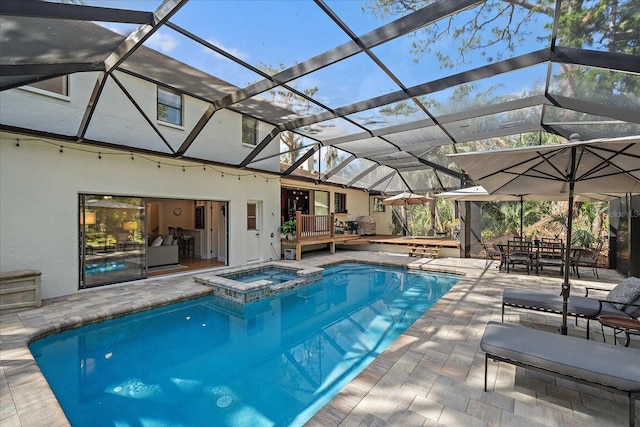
(292, 141)
(506, 24)
(499, 27)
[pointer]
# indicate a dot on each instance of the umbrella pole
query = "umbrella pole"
(521, 218)
(406, 218)
(566, 289)
(567, 266)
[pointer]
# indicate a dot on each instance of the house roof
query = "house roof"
(375, 93)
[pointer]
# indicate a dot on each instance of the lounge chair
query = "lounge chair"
(606, 366)
(623, 300)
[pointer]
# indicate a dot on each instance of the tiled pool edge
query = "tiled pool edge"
(223, 285)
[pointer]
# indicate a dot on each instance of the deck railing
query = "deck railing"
(314, 226)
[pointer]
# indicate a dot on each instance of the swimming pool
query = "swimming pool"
(209, 362)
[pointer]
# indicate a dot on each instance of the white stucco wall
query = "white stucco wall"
(39, 189)
(117, 121)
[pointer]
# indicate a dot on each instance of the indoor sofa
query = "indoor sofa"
(162, 252)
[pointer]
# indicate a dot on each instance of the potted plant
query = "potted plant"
(289, 229)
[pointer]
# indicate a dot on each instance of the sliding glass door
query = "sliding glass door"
(112, 239)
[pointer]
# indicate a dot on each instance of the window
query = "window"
(169, 106)
(57, 85)
(252, 211)
(249, 130)
(340, 203)
(321, 202)
(378, 206)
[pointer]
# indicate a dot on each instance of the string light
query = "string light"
(133, 156)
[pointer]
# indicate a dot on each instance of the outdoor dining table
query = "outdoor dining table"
(576, 252)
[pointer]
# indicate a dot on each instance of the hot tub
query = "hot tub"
(255, 281)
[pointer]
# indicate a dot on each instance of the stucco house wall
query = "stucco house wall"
(121, 123)
(41, 177)
(39, 187)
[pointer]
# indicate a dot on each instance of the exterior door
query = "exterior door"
(112, 239)
(254, 219)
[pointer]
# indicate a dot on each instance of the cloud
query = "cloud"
(162, 42)
(232, 51)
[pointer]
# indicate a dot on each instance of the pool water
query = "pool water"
(209, 362)
(104, 267)
(273, 275)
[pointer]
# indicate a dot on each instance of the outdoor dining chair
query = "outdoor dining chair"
(550, 255)
(587, 258)
(491, 254)
(519, 252)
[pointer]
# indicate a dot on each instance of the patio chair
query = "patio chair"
(623, 300)
(491, 254)
(519, 252)
(590, 259)
(550, 255)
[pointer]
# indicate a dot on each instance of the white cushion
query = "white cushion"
(168, 241)
(157, 242)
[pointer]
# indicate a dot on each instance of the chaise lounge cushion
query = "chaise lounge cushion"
(599, 363)
(547, 301)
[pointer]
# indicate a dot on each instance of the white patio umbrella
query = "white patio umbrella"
(480, 194)
(596, 166)
(111, 204)
(405, 199)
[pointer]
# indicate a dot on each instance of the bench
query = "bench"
(613, 368)
(20, 289)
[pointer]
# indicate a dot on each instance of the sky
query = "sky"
(281, 33)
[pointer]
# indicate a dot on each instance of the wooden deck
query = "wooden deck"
(329, 240)
(440, 242)
(420, 246)
(321, 229)
(315, 230)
